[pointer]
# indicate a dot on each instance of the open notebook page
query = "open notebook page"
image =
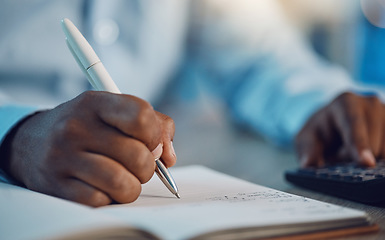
(212, 201)
(26, 214)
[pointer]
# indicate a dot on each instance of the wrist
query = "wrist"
(6, 153)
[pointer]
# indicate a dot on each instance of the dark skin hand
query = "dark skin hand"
(97, 148)
(350, 129)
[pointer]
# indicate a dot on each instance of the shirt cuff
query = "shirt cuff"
(6, 178)
(11, 115)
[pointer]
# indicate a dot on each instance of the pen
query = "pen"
(99, 78)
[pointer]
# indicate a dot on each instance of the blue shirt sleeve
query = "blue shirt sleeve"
(273, 108)
(269, 76)
(10, 116)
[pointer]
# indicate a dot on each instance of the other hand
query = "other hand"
(350, 129)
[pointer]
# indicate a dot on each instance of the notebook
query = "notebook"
(212, 206)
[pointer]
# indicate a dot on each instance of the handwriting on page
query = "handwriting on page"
(271, 196)
(275, 202)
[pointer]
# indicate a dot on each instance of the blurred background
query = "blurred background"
(348, 33)
(329, 25)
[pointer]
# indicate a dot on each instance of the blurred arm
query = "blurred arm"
(269, 76)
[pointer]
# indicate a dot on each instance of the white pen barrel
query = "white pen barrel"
(102, 79)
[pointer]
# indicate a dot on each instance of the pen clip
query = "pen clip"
(94, 85)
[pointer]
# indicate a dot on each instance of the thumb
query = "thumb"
(157, 152)
(169, 156)
(168, 130)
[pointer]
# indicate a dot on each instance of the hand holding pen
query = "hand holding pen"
(95, 149)
(99, 78)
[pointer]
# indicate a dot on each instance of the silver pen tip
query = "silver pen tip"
(177, 195)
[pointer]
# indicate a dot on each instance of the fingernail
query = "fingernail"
(368, 157)
(157, 152)
(172, 149)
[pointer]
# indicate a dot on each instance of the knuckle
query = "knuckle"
(345, 96)
(94, 198)
(349, 109)
(98, 199)
(86, 98)
(145, 116)
(147, 173)
(374, 101)
(144, 165)
(134, 193)
(138, 152)
(170, 124)
(142, 118)
(117, 180)
(346, 101)
(148, 127)
(68, 128)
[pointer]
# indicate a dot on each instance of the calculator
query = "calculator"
(366, 185)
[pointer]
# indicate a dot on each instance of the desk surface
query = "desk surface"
(207, 138)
